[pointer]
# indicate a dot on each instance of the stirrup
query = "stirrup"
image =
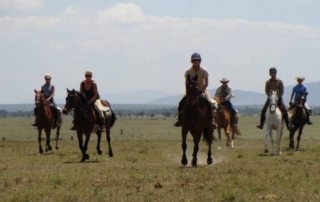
(34, 124)
(178, 124)
(309, 122)
(73, 128)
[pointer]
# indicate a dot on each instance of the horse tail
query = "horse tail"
(113, 118)
(236, 130)
(207, 135)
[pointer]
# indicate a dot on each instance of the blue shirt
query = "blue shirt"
(299, 90)
(47, 90)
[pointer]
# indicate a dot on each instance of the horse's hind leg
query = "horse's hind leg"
(109, 141)
(184, 160)
(39, 141)
(57, 137)
(80, 139)
(266, 142)
(299, 137)
(98, 142)
(85, 147)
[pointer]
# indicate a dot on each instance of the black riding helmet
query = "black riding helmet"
(272, 70)
(195, 56)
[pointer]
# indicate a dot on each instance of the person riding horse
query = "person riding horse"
(48, 91)
(274, 84)
(298, 91)
(202, 83)
(224, 92)
(90, 91)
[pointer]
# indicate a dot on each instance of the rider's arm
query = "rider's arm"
(267, 88)
(281, 90)
(229, 96)
(95, 93)
(206, 83)
(292, 94)
(52, 94)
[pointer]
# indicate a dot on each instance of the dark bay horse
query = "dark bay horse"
(298, 118)
(46, 121)
(85, 121)
(222, 117)
(196, 120)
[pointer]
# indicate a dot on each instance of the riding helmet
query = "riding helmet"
(272, 70)
(195, 56)
(47, 76)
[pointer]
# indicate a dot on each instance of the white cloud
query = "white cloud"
(130, 50)
(21, 4)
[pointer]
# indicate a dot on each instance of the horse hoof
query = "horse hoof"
(99, 152)
(57, 147)
(184, 161)
(50, 148)
(209, 161)
(86, 156)
(266, 151)
(111, 154)
(194, 162)
(41, 151)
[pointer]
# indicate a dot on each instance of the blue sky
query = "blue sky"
(143, 45)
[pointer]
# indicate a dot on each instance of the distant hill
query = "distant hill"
(252, 98)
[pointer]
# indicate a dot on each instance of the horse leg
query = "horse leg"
(291, 142)
(272, 142)
(109, 141)
(232, 137)
(98, 142)
(39, 140)
(219, 138)
(57, 137)
(48, 146)
(278, 142)
(266, 141)
(299, 137)
(228, 137)
(85, 146)
(184, 132)
(80, 139)
(196, 140)
(209, 138)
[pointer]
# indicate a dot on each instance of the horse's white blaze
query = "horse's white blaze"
(273, 122)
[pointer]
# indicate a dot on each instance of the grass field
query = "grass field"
(146, 166)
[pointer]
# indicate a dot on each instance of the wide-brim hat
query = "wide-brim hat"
(224, 80)
(300, 78)
(47, 77)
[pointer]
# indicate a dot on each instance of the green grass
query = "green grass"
(146, 166)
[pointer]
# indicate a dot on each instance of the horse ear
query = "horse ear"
(35, 90)
(68, 90)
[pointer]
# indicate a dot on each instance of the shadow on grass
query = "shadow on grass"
(79, 162)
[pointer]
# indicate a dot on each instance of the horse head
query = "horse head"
(39, 98)
(192, 92)
(72, 101)
(273, 101)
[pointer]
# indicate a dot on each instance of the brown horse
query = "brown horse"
(195, 118)
(46, 120)
(85, 121)
(222, 117)
(298, 118)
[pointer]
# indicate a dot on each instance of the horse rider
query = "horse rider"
(201, 84)
(90, 91)
(274, 84)
(225, 93)
(48, 91)
(298, 91)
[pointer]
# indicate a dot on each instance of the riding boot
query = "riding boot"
(232, 120)
(101, 123)
(59, 118)
(262, 119)
(308, 112)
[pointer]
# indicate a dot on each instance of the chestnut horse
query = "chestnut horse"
(195, 118)
(298, 118)
(85, 121)
(222, 117)
(45, 121)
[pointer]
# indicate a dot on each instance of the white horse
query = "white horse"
(273, 122)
